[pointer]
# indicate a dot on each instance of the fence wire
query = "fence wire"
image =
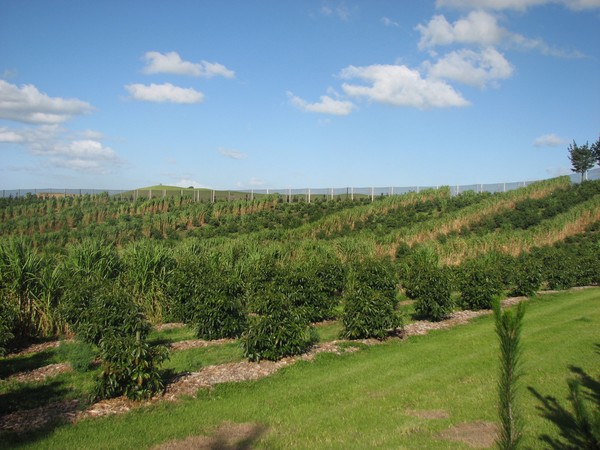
(308, 194)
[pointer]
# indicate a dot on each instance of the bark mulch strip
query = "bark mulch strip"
(189, 383)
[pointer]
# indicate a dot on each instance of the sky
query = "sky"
(258, 94)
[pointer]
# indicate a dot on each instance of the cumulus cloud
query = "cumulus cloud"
(164, 93)
(171, 62)
(9, 136)
(398, 85)
(52, 143)
(326, 105)
(27, 104)
(473, 68)
(549, 140)
(232, 154)
(479, 27)
(519, 5)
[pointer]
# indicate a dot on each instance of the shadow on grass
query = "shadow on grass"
(29, 396)
(31, 412)
(571, 436)
(10, 366)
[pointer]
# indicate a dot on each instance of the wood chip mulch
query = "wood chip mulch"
(41, 373)
(188, 384)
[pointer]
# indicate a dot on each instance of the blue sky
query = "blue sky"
(294, 94)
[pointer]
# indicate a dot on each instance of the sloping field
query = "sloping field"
(432, 391)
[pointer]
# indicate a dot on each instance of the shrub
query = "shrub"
(218, 316)
(559, 268)
(479, 283)
(378, 274)
(526, 276)
(300, 283)
(368, 313)
(277, 329)
(429, 283)
(435, 300)
(7, 325)
(130, 366)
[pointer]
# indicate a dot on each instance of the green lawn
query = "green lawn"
(368, 399)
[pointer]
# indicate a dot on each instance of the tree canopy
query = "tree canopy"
(582, 158)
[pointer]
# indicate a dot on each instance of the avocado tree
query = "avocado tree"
(582, 158)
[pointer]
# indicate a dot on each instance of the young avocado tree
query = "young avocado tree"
(508, 330)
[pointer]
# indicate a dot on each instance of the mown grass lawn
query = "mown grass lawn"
(373, 398)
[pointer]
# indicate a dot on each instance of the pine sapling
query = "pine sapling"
(508, 329)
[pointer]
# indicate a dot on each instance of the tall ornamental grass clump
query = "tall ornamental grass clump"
(147, 267)
(276, 328)
(508, 329)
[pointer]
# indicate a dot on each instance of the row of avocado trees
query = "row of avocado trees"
(109, 298)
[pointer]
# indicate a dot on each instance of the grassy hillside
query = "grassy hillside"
(408, 394)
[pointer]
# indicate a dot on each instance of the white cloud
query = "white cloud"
(93, 134)
(519, 5)
(399, 85)
(28, 105)
(474, 68)
(9, 136)
(327, 105)
(389, 22)
(541, 46)
(549, 140)
(52, 143)
(171, 62)
(187, 182)
(232, 154)
(210, 70)
(479, 27)
(164, 93)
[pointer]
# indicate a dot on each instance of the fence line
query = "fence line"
(290, 195)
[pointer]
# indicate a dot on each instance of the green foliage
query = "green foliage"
(378, 274)
(147, 267)
(582, 158)
(79, 354)
(276, 329)
(429, 283)
(99, 310)
(218, 316)
(7, 325)
(526, 275)
(479, 283)
(130, 366)
(508, 329)
(368, 313)
(92, 258)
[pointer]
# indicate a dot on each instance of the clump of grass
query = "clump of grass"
(79, 354)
